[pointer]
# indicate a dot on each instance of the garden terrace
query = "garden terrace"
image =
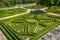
(32, 25)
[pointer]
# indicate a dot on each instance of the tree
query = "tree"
(46, 3)
(23, 1)
(56, 2)
(49, 4)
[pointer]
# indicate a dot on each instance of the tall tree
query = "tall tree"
(46, 3)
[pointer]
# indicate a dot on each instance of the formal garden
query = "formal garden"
(32, 25)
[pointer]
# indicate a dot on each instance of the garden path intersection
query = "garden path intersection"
(25, 13)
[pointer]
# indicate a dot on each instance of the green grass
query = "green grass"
(9, 12)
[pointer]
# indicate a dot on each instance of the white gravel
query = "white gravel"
(2, 36)
(53, 14)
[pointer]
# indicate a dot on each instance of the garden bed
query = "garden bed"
(55, 9)
(9, 12)
(32, 21)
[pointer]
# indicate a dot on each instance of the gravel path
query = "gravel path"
(53, 14)
(8, 8)
(2, 36)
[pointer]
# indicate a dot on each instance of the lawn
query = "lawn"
(9, 12)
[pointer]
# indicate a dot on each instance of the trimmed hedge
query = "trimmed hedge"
(13, 31)
(9, 31)
(5, 32)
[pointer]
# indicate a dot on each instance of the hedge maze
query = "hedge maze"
(28, 26)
